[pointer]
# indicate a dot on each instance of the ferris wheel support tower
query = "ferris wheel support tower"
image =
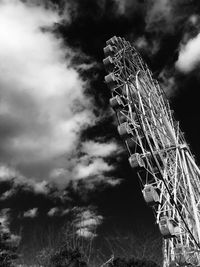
(166, 168)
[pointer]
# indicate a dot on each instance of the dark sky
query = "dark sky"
(59, 144)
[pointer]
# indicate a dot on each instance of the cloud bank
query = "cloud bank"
(43, 107)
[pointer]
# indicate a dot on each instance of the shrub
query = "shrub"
(66, 257)
(120, 262)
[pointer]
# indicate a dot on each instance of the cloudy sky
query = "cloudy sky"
(59, 148)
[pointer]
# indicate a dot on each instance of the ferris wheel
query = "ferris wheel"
(158, 150)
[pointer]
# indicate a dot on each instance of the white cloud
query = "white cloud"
(159, 14)
(86, 233)
(121, 6)
(126, 7)
(160, 7)
(6, 173)
(32, 213)
(53, 211)
(62, 176)
(87, 222)
(189, 55)
(149, 46)
(97, 149)
(92, 164)
(168, 82)
(113, 181)
(4, 220)
(40, 187)
(97, 166)
(7, 194)
(88, 214)
(43, 108)
(57, 211)
(194, 19)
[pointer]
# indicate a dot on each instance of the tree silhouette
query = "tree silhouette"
(7, 249)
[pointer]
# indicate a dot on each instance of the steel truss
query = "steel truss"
(158, 150)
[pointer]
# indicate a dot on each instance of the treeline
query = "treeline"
(65, 256)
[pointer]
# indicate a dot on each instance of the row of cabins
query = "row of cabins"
(150, 194)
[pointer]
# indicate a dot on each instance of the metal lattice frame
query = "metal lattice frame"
(157, 148)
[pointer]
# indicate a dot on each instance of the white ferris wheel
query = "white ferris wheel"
(158, 150)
